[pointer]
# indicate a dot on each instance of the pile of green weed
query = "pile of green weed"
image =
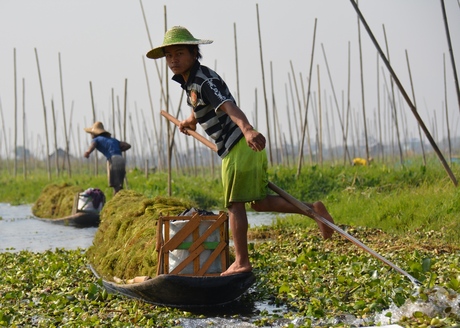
(55, 201)
(125, 243)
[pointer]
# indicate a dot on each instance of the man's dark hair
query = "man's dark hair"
(192, 47)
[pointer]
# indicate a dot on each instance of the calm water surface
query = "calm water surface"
(20, 230)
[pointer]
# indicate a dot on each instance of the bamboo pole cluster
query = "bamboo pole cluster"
(310, 113)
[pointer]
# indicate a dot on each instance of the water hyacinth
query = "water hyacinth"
(125, 243)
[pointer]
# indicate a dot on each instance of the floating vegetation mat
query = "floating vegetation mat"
(55, 201)
(125, 243)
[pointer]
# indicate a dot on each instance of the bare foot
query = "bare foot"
(326, 231)
(235, 268)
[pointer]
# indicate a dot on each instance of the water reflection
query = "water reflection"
(19, 230)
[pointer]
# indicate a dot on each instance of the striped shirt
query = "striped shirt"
(206, 92)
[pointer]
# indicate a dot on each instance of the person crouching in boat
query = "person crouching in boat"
(112, 149)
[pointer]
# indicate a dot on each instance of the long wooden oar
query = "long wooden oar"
(303, 207)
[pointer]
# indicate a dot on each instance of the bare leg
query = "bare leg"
(239, 227)
(274, 203)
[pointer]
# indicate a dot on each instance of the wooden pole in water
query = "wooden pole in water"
(306, 104)
(112, 94)
(66, 137)
(56, 157)
(237, 68)
(289, 123)
(379, 117)
(4, 138)
(299, 164)
(15, 119)
(96, 162)
(299, 107)
(264, 88)
(336, 103)
(447, 112)
(452, 59)
(348, 109)
(393, 101)
(274, 114)
(24, 159)
(362, 91)
(415, 104)
(320, 120)
(406, 97)
(44, 115)
(155, 132)
(125, 110)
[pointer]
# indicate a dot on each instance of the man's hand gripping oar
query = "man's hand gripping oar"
(302, 206)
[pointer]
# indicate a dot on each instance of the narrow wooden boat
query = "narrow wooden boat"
(83, 212)
(185, 291)
(78, 219)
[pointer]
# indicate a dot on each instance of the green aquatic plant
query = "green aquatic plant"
(56, 201)
(125, 243)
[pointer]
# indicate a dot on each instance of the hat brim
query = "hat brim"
(96, 131)
(158, 52)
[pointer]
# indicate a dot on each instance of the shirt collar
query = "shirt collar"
(178, 77)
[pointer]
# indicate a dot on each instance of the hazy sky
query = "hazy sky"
(104, 42)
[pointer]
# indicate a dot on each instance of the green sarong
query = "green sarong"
(244, 174)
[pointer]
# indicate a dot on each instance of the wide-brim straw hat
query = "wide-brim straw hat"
(175, 36)
(97, 129)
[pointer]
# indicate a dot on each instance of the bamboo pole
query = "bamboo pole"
(289, 122)
(24, 160)
(4, 138)
(299, 107)
(306, 103)
(125, 110)
(362, 91)
(393, 100)
(56, 157)
(155, 131)
(77, 149)
(320, 119)
(415, 104)
(44, 115)
(274, 112)
(378, 112)
(336, 102)
(15, 118)
(447, 112)
(452, 59)
(66, 138)
(236, 67)
(299, 164)
(264, 88)
(406, 97)
(96, 161)
(151, 46)
(328, 130)
(348, 110)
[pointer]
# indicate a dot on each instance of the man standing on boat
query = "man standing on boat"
(111, 148)
(241, 147)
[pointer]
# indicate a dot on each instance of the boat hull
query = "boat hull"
(79, 219)
(186, 291)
